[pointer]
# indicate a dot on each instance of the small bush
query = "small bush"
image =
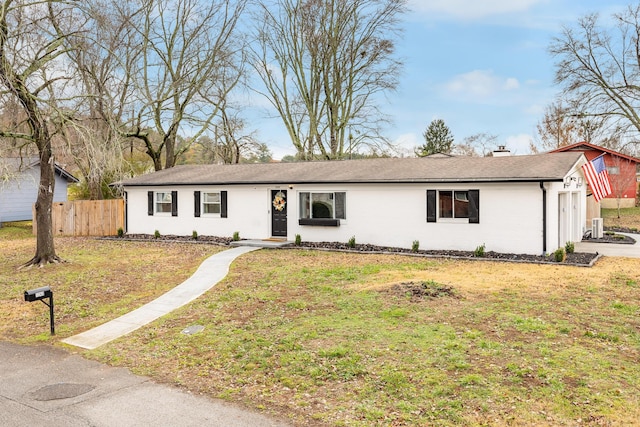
(194, 235)
(415, 246)
(570, 247)
(479, 252)
(352, 242)
(120, 232)
(156, 234)
(560, 255)
(236, 236)
(298, 240)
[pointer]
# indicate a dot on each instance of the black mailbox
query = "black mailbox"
(41, 294)
(38, 294)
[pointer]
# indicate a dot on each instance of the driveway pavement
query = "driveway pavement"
(612, 249)
(46, 386)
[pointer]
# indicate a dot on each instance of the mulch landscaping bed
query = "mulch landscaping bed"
(578, 259)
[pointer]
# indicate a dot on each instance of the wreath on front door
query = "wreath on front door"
(279, 201)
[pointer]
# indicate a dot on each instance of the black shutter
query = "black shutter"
(223, 204)
(174, 203)
(149, 202)
(196, 204)
(474, 206)
(431, 205)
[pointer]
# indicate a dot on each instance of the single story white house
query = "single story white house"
(19, 180)
(530, 204)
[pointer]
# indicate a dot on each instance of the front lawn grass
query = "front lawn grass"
(629, 218)
(99, 281)
(352, 339)
(328, 339)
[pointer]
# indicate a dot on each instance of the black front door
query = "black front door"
(279, 213)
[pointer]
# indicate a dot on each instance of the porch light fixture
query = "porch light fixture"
(567, 182)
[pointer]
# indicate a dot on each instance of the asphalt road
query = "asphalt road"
(47, 386)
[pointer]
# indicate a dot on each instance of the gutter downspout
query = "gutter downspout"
(544, 218)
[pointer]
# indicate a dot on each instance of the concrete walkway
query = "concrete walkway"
(612, 249)
(210, 272)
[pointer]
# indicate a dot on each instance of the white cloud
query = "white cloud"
(471, 9)
(511, 83)
(406, 143)
(535, 110)
(480, 85)
(519, 144)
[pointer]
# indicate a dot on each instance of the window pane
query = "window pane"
(341, 205)
(163, 197)
(446, 204)
(322, 205)
(211, 197)
(163, 202)
(211, 208)
(211, 203)
(305, 211)
(461, 204)
(613, 170)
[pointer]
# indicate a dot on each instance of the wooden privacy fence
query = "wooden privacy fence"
(593, 211)
(87, 217)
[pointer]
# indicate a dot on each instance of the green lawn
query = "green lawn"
(324, 338)
(339, 339)
(629, 218)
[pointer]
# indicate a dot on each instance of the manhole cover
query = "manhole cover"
(193, 329)
(61, 391)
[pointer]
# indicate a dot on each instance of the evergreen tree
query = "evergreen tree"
(438, 139)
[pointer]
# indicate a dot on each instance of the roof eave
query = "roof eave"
(417, 181)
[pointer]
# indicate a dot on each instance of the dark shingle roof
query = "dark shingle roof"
(539, 167)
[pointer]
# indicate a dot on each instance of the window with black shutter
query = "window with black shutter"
(453, 206)
(150, 207)
(174, 203)
(223, 204)
(196, 204)
(431, 205)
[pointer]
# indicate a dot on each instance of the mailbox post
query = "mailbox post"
(40, 294)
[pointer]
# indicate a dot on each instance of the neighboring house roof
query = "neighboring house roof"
(16, 164)
(585, 146)
(539, 167)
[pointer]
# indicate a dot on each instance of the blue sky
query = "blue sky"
(480, 65)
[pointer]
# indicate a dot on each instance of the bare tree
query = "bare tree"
(190, 59)
(557, 127)
(622, 177)
(229, 144)
(101, 58)
(476, 145)
(599, 68)
(33, 73)
(561, 126)
(323, 64)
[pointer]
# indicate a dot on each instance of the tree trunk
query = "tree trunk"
(45, 250)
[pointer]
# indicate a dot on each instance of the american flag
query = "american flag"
(597, 176)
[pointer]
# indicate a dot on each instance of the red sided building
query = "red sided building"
(622, 173)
